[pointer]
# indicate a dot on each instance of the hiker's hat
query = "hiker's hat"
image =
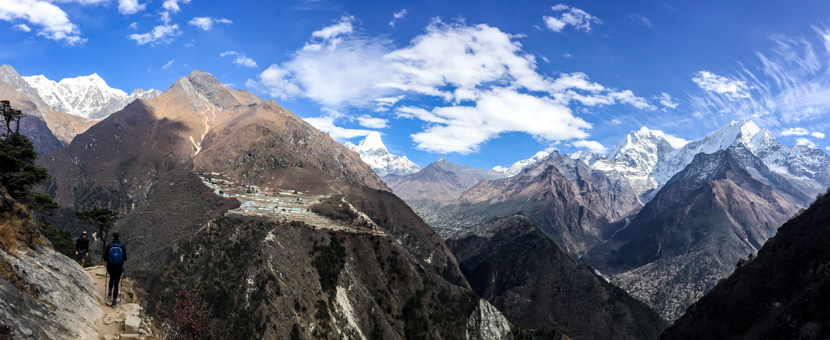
(84, 232)
(115, 235)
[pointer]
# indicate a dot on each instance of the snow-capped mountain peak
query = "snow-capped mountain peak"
(372, 142)
(517, 167)
(85, 96)
(372, 151)
(649, 158)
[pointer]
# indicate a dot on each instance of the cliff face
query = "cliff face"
(43, 294)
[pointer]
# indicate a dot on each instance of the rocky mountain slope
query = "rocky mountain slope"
(43, 294)
(283, 278)
(85, 96)
(574, 205)
(372, 150)
(783, 293)
(720, 208)
(516, 267)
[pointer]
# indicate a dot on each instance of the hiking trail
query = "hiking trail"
(121, 322)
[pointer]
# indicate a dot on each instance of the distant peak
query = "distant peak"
(372, 141)
(204, 81)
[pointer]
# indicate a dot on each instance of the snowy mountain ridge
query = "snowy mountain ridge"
(372, 151)
(85, 96)
(649, 158)
(517, 167)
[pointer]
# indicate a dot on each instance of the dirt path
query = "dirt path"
(121, 322)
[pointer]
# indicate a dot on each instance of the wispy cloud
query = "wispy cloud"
(161, 34)
(641, 20)
(593, 146)
(168, 64)
(799, 131)
(667, 101)
(397, 16)
(565, 15)
(372, 122)
(22, 28)
(52, 21)
(733, 89)
(484, 85)
(206, 23)
(788, 85)
(805, 142)
(240, 59)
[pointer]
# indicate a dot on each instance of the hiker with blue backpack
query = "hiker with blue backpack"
(114, 256)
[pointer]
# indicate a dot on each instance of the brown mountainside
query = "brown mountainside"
(396, 279)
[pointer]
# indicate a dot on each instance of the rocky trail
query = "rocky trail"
(123, 321)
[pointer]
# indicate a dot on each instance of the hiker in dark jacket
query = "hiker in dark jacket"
(81, 248)
(114, 256)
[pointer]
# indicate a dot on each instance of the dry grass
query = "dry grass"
(10, 232)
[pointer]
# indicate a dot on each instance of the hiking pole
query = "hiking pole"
(119, 282)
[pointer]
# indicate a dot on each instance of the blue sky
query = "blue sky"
(481, 83)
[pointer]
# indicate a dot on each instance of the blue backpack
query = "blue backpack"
(116, 254)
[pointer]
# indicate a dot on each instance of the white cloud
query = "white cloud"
(372, 122)
(240, 60)
(616, 121)
(82, 2)
(667, 101)
(326, 123)
(483, 81)
(127, 7)
(330, 35)
(566, 15)
(22, 28)
(170, 7)
(168, 64)
(805, 142)
(795, 132)
(732, 89)
(397, 16)
(160, 34)
(827, 148)
(798, 131)
(276, 82)
(133, 26)
(206, 23)
(173, 5)
(590, 145)
(463, 129)
(641, 20)
(53, 21)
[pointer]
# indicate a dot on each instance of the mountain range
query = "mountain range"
(665, 218)
(372, 269)
(662, 218)
(86, 96)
